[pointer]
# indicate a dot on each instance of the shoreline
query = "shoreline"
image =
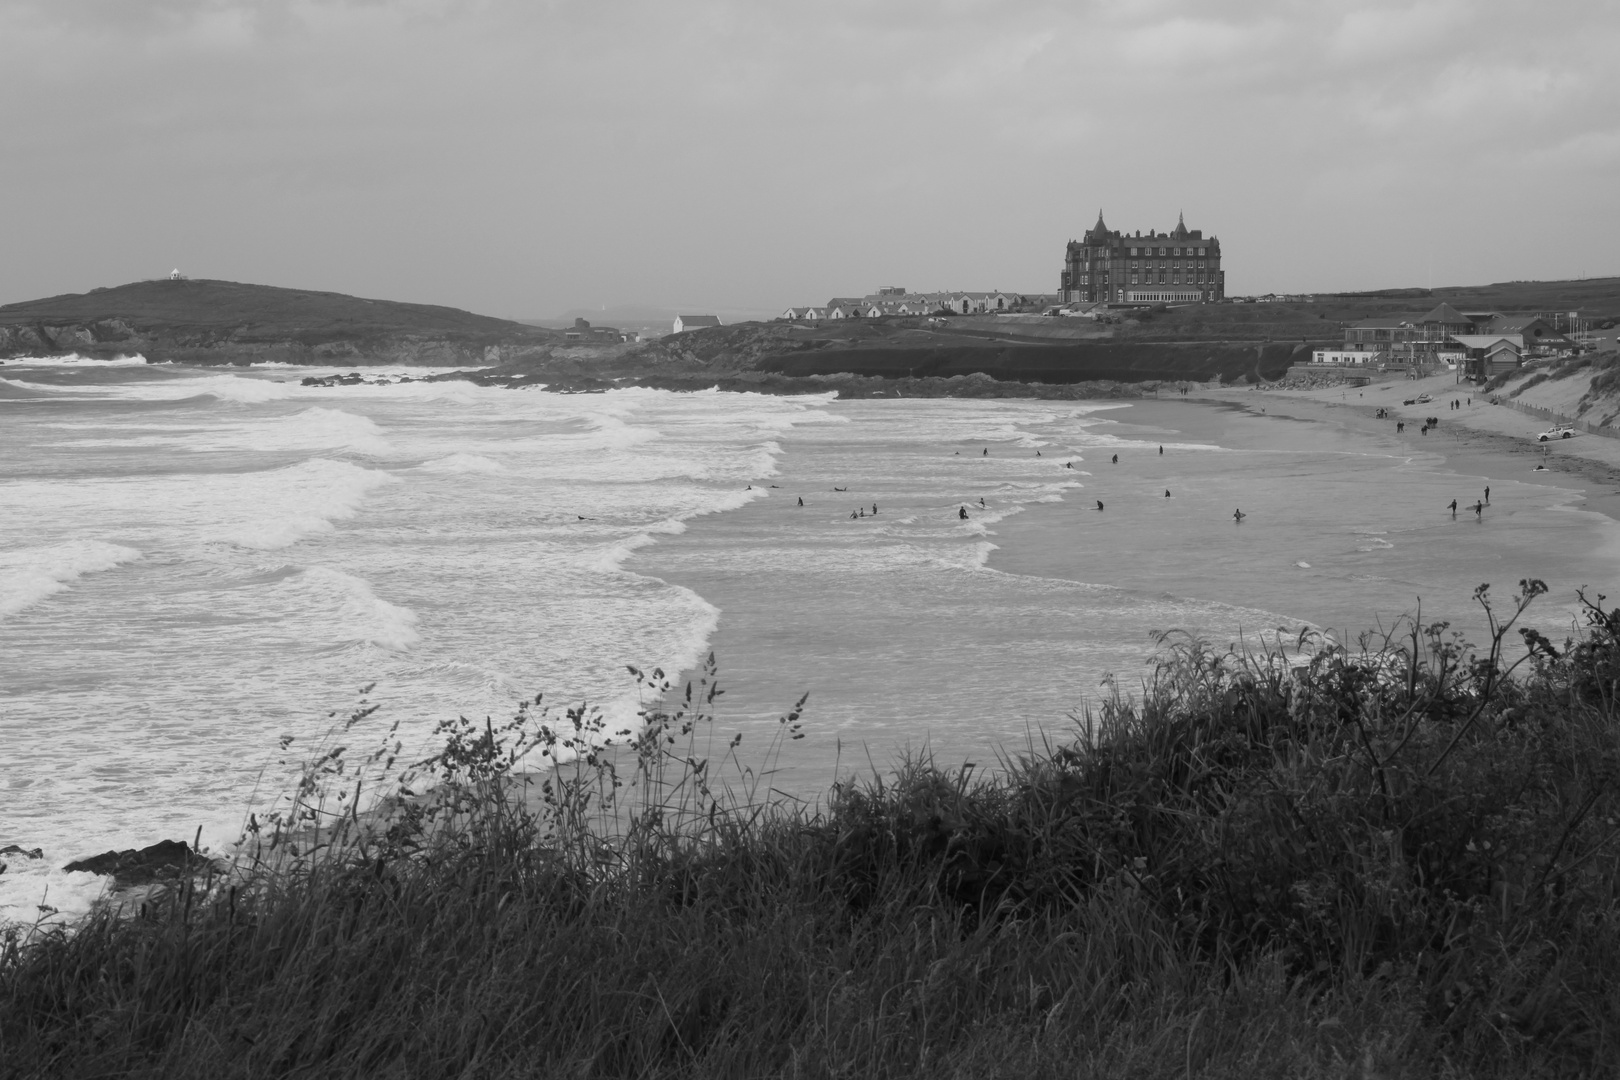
(1483, 439)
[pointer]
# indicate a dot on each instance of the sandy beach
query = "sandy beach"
(1490, 440)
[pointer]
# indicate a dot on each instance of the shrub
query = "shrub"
(1305, 860)
(1535, 380)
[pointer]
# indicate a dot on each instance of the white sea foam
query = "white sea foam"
(234, 388)
(75, 360)
(363, 615)
(39, 892)
(463, 463)
(301, 500)
(316, 428)
(29, 575)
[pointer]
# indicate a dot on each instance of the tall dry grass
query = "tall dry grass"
(1397, 859)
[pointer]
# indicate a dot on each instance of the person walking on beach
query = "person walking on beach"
(1453, 507)
(1487, 495)
(1479, 509)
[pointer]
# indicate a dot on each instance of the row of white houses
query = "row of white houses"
(888, 304)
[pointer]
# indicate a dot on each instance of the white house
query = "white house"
(692, 322)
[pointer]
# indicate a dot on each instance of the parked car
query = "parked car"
(1561, 431)
(1423, 399)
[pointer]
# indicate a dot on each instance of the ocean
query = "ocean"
(196, 564)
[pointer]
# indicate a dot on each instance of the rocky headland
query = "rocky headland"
(227, 322)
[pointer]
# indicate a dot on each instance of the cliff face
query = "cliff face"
(900, 349)
(222, 322)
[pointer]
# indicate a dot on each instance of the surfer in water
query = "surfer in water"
(874, 509)
(1238, 516)
(1099, 504)
(1453, 507)
(987, 451)
(801, 500)
(981, 500)
(961, 512)
(1161, 451)
(1167, 493)
(1116, 459)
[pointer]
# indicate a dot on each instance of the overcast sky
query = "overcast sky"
(521, 157)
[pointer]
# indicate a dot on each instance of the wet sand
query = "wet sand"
(1348, 549)
(1487, 440)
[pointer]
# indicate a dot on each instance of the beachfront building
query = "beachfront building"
(693, 322)
(1446, 335)
(1177, 267)
(1537, 336)
(1488, 354)
(891, 301)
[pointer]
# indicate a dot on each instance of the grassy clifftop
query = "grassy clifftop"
(233, 322)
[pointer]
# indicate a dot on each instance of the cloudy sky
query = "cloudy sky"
(521, 157)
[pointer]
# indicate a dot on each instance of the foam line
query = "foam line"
(33, 574)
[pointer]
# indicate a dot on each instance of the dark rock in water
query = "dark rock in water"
(165, 859)
(27, 853)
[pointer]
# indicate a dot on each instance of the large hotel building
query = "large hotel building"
(1177, 267)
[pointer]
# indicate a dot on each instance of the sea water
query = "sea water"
(196, 565)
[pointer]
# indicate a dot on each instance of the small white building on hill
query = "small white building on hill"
(692, 322)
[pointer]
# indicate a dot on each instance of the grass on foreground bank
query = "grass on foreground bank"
(1397, 860)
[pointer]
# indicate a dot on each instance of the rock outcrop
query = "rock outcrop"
(141, 866)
